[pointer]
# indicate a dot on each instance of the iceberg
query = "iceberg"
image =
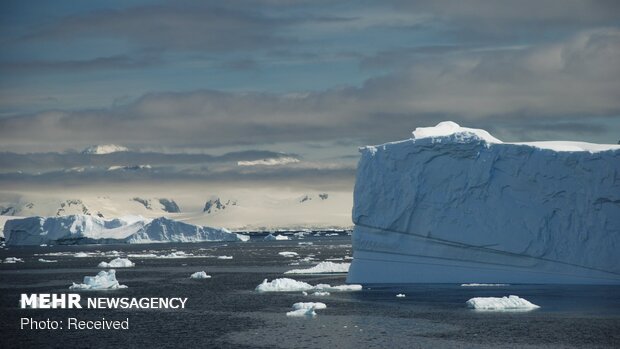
(484, 285)
(104, 280)
(200, 275)
(43, 260)
(283, 285)
(510, 303)
(168, 230)
(117, 263)
(272, 237)
(323, 268)
(309, 305)
(13, 260)
(85, 229)
(303, 309)
(455, 204)
(288, 254)
(290, 285)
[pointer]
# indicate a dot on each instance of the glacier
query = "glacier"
(456, 205)
(85, 229)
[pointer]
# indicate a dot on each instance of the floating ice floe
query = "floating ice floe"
(43, 260)
(304, 309)
(81, 255)
(339, 288)
(320, 293)
(104, 280)
(305, 243)
(200, 275)
(142, 255)
(510, 303)
(12, 260)
(272, 237)
(483, 285)
(117, 263)
(283, 285)
(323, 268)
(224, 257)
(288, 254)
(401, 295)
(290, 285)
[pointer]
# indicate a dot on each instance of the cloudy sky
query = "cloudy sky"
(315, 79)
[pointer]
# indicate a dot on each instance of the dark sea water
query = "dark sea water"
(226, 312)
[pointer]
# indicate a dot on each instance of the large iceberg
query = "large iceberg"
(455, 204)
(85, 229)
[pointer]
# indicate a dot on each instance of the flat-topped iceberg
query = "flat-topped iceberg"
(290, 285)
(510, 303)
(455, 204)
(85, 229)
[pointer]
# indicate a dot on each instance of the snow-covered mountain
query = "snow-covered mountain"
(237, 209)
(216, 204)
(160, 204)
(83, 229)
(457, 205)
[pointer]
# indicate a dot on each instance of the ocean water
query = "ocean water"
(226, 312)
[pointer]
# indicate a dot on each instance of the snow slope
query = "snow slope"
(89, 229)
(456, 204)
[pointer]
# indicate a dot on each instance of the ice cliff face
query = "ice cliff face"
(83, 229)
(502, 212)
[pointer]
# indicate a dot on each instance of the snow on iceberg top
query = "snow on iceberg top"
(450, 129)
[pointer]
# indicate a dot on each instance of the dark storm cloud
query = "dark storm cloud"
(556, 82)
(528, 19)
(339, 176)
(77, 66)
(209, 25)
(37, 162)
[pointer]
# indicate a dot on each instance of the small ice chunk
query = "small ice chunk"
(302, 313)
(290, 285)
(401, 295)
(117, 263)
(303, 309)
(283, 285)
(340, 288)
(288, 254)
(224, 257)
(483, 285)
(81, 255)
(43, 260)
(309, 305)
(323, 268)
(272, 237)
(104, 280)
(320, 293)
(142, 255)
(11, 260)
(510, 303)
(200, 275)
